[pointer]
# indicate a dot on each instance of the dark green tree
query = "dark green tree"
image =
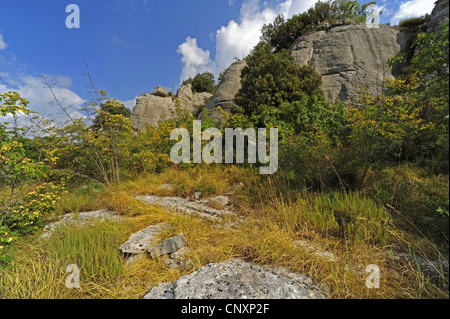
(202, 82)
(282, 33)
(271, 79)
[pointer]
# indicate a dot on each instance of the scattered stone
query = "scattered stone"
(197, 195)
(239, 279)
(80, 219)
(316, 249)
(168, 246)
(177, 260)
(218, 202)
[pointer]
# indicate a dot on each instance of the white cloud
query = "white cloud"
(237, 38)
(413, 8)
(3, 44)
(195, 60)
(41, 99)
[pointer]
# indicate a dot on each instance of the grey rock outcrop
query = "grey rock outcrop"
(139, 242)
(159, 106)
(160, 91)
(238, 279)
(193, 101)
(439, 16)
(151, 109)
(226, 91)
(81, 219)
(351, 57)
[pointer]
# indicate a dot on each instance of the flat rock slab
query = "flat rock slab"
(238, 279)
(140, 241)
(81, 219)
(186, 206)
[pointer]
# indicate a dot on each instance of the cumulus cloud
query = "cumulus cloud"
(237, 38)
(410, 9)
(41, 99)
(3, 44)
(195, 60)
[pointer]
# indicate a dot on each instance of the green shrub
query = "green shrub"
(281, 33)
(270, 79)
(202, 82)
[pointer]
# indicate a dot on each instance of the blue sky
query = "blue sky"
(132, 46)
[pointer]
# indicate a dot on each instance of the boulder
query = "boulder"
(160, 91)
(351, 57)
(139, 242)
(218, 202)
(239, 279)
(225, 92)
(168, 246)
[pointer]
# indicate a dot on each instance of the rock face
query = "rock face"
(193, 101)
(226, 91)
(439, 15)
(351, 57)
(238, 279)
(152, 108)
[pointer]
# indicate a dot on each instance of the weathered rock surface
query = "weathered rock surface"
(160, 91)
(439, 15)
(351, 57)
(226, 91)
(168, 246)
(178, 259)
(140, 241)
(219, 202)
(79, 219)
(186, 206)
(159, 106)
(192, 101)
(151, 109)
(238, 279)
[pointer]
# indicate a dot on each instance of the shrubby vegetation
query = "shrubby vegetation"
(202, 82)
(282, 33)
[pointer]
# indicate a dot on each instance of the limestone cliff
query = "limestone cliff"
(351, 57)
